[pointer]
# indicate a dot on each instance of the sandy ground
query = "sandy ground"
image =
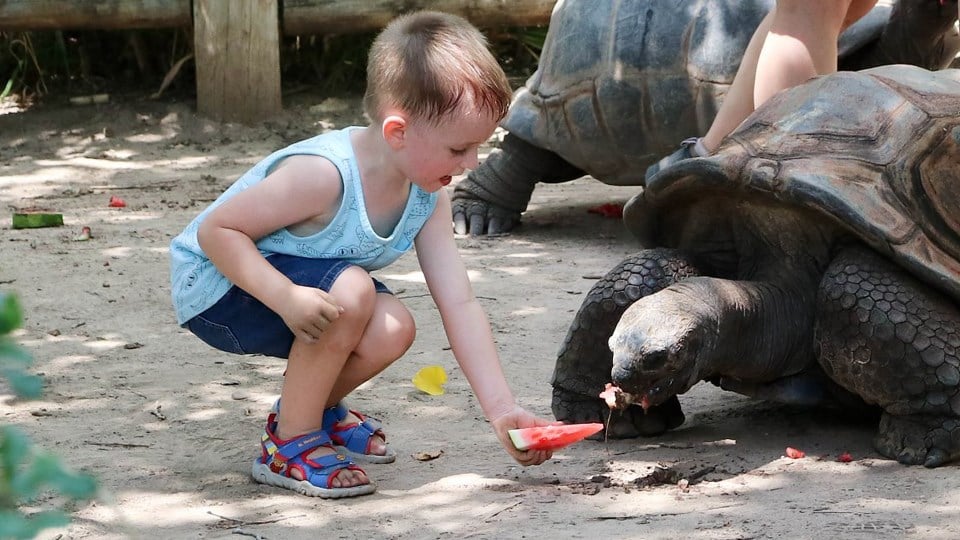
(169, 426)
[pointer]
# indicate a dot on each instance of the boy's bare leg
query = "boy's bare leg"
(387, 337)
(312, 368)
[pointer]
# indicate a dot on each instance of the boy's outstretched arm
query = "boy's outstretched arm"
(469, 331)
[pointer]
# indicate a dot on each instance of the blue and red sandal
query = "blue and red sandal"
(280, 458)
(354, 439)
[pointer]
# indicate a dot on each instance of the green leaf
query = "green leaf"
(11, 316)
(14, 450)
(48, 469)
(28, 481)
(76, 486)
(15, 525)
(24, 385)
(12, 354)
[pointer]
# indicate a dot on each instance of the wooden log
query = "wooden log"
(237, 48)
(301, 17)
(93, 14)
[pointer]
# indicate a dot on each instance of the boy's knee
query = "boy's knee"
(406, 332)
(355, 292)
(391, 335)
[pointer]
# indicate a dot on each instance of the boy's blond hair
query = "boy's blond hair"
(428, 63)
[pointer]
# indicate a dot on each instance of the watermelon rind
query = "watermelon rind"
(35, 220)
(516, 437)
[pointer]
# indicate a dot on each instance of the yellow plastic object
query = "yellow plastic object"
(430, 379)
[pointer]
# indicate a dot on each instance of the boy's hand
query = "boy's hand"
(308, 311)
(519, 418)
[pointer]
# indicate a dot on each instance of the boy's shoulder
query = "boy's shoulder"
(326, 154)
(332, 145)
(333, 139)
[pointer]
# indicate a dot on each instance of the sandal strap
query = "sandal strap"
(304, 444)
(295, 447)
(334, 415)
(321, 471)
(356, 436)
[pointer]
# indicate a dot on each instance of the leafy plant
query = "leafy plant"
(25, 471)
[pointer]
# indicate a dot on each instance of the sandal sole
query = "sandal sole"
(262, 474)
(376, 459)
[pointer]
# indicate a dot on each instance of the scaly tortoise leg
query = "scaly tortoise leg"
(895, 342)
(492, 197)
(585, 360)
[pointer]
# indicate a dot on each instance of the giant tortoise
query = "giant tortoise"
(621, 83)
(814, 259)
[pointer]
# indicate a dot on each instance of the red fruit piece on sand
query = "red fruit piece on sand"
(116, 202)
(793, 453)
(610, 210)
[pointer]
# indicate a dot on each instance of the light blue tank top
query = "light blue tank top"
(196, 284)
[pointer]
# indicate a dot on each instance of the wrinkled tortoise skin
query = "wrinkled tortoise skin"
(814, 259)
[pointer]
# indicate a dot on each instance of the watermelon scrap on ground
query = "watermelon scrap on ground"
(610, 210)
(552, 437)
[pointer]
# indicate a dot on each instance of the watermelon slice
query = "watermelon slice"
(552, 437)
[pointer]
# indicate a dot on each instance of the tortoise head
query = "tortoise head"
(660, 348)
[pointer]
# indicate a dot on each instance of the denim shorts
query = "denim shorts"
(239, 323)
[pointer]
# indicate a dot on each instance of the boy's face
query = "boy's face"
(434, 153)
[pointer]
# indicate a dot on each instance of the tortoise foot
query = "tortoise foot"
(478, 217)
(621, 424)
(930, 441)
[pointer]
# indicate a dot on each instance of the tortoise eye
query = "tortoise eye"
(654, 361)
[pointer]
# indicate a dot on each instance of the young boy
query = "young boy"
(279, 264)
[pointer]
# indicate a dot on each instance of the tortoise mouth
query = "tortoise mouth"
(622, 395)
(654, 378)
(657, 393)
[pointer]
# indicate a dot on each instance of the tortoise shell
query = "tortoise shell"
(875, 151)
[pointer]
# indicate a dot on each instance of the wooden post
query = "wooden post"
(237, 48)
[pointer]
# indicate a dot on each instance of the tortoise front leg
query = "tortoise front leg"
(895, 342)
(584, 362)
(492, 197)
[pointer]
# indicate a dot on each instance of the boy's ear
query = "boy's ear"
(394, 130)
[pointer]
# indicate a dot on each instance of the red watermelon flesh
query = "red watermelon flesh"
(552, 437)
